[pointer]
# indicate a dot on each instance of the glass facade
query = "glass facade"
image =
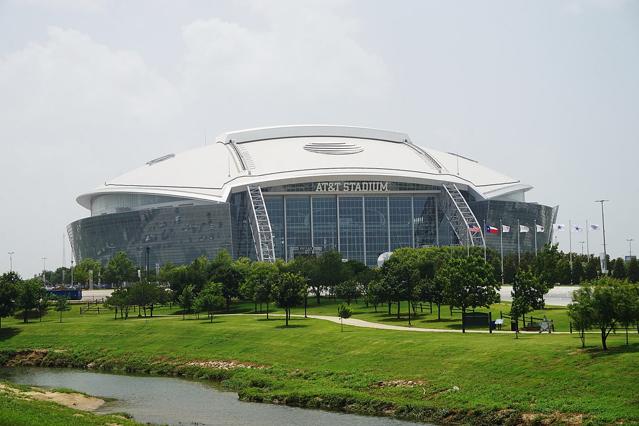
(512, 213)
(360, 225)
(361, 228)
(173, 234)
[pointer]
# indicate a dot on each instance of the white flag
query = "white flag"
(540, 228)
(505, 228)
(559, 226)
(577, 228)
(594, 227)
(523, 228)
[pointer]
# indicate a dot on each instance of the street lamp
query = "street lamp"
(44, 270)
(630, 240)
(603, 228)
(11, 253)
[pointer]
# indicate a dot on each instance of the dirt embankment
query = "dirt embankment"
(74, 400)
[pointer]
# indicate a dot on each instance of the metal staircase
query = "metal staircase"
(261, 225)
(461, 217)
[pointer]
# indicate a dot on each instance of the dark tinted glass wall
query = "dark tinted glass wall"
(173, 234)
(512, 213)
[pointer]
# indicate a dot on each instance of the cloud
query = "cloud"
(306, 53)
(70, 81)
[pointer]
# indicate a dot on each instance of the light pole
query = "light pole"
(44, 270)
(11, 253)
(630, 240)
(603, 229)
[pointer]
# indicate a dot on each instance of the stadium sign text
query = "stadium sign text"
(351, 187)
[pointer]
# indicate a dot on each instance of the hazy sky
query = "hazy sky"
(545, 91)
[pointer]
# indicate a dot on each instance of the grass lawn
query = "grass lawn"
(313, 364)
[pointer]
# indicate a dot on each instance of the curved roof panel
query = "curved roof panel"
(300, 153)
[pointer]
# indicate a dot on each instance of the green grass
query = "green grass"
(16, 411)
(313, 364)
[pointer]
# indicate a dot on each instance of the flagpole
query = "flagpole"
(535, 237)
(518, 245)
(570, 245)
(587, 244)
(501, 248)
(485, 235)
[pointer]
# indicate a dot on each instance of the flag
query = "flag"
(474, 228)
(540, 228)
(505, 228)
(594, 227)
(491, 230)
(577, 228)
(559, 226)
(523, 228)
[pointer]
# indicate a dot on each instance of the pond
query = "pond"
(174, 401)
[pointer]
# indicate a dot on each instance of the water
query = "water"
(182, 402)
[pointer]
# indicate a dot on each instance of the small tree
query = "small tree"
(119, 301)
(8, 294)
(186, 300)
(628, 306)
(468, 282)
(30, 295)
(580, 311)
(528, 295)
(61, 305)
(289, 291)
(633, 270)
(619, 269)
(347, 290)
(210, 299)
(344, 312)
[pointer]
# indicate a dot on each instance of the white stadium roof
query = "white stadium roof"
(293, 154)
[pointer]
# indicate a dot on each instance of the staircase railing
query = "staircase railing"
(261, 225)
(461, 217)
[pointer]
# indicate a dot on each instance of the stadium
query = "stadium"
(280, 192)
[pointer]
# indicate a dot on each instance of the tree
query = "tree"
(633, 270)
(580, 311)
(619, 269)
(289, 291)
(145, 295)
(628, 306)
(592, 268)
(528, 295)
(222, 270)
(120, 269)
(347, 290)
(61, 305)
(258, 284)
(469, 282)
(8, 294)
(186, 300)
(210, 299)
(344, 312)
(42, 304)
(30, 294)
(376, 293)
(607, 303)
(119, 300)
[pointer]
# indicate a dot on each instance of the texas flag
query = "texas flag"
(492, 229)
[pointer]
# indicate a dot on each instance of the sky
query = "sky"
(544, 91)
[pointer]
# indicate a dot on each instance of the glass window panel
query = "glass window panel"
(325, 223)
(376, 209)
(351, 228)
